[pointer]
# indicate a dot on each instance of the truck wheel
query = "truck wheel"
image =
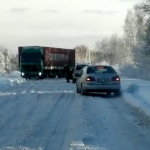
(82, 91)
(59, 76)
(73, 81)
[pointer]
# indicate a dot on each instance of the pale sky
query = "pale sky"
(60, 23)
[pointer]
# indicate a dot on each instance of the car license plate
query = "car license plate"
(103, 80)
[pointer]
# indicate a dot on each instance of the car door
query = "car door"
(79, 80)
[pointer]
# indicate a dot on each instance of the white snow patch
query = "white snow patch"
(43, 92)
(15, 73)
(20, 148)
(7, 93)
(23, 92)
(79, 145)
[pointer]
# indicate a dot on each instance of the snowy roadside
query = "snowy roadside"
(8, 80)
(136, 92)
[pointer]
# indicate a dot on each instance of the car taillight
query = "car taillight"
(116, 78)
(90, 79)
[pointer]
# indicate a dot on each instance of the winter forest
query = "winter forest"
(130, 54)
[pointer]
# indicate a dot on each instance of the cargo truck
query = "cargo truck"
(44, 62)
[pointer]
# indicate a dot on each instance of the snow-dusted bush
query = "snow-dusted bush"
(129, 70)
(2, 64)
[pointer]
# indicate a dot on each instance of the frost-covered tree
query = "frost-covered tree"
(2, 64)
(14, 62)
(134, 32)
(142, 46)
(7, 60)
(81, 52)
(132, 48)
(5, 64)
(108, 49)
(144, 9)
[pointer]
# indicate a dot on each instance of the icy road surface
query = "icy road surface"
(49, 114)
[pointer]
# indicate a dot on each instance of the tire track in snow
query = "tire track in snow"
(9, 115)
(37, 127)
(25, 120)
(54, 141)
(56, 121)
(47, 116)
(6, 95)
(107, 125)
(26, 109)
(66, 124)
(13, 100)
(91, 135)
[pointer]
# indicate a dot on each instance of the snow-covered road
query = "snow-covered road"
(51, 115)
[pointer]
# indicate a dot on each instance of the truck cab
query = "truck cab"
(31, 62)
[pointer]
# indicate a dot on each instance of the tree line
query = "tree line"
(131, 51)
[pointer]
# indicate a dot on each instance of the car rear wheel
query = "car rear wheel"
(77, 90)
(82, 91)
(108, 93)
(117, 93)
(73, 81)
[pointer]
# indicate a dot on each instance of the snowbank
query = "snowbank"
(14, 73)
(137, 93)
(7, 80)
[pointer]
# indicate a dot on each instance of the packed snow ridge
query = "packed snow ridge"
(19, 148)
(11, 79)
(136, 93)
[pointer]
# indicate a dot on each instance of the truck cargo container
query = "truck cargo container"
(42, 62)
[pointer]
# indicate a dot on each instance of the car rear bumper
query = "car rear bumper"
(101, 88)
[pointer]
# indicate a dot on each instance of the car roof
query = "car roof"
(100, 66)
(82, 64)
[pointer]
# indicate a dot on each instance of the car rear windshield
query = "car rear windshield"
(79, 67)
(100, 69)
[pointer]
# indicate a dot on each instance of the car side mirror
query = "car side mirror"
(80, 74)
